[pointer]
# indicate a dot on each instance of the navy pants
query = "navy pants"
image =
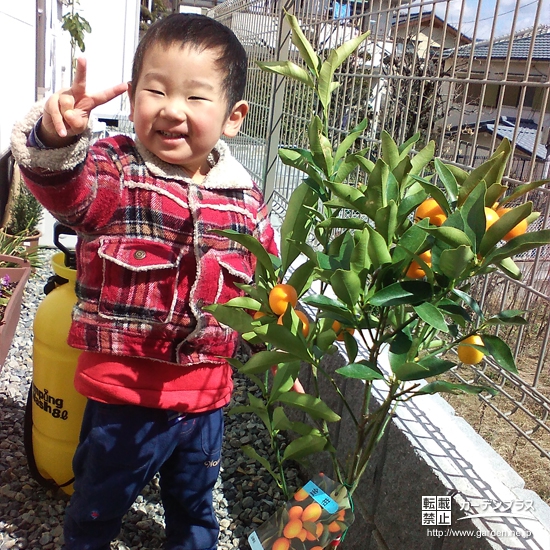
(121, 448)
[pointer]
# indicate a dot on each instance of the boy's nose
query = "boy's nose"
(174, 110)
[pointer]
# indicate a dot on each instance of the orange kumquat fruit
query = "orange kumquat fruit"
(280, 296)
(312, 512)
(292, 528)
(469, 355)
(281, 543)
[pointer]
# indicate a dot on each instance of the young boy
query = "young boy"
(152, 365)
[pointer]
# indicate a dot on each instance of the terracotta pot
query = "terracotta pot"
(8, 324)
(31, 241)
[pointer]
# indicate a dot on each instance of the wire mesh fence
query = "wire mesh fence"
(464, 79)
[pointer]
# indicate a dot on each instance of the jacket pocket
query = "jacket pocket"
(235, 268)
(139, 279)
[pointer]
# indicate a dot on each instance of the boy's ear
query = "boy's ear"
(236, 118)
(129, 92)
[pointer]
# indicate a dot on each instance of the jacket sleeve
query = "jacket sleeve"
(79, 184)
(264, 231)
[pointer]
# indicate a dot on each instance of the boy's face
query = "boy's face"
(179, 108)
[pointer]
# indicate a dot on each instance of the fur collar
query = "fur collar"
(225, 171)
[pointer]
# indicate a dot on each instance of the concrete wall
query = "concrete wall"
(17, 62)
(429, 451)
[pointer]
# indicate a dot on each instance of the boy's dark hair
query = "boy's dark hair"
(204, 33)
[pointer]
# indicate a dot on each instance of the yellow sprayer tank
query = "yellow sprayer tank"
(57, 408)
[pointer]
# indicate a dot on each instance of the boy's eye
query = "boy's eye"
(156, 92)
(195, 97)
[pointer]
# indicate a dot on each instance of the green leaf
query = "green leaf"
(409, 370)
(510, 268)
(517, 245)
(259, 408)
(521, 190)
(283, 379)
(306, 50)
(440, 386)
(400, 346)
(352, 349)
(244, 302)
(304, 446)
(263, 360)
(236, 319)
(376, 194)
(360, 258)
(310, 405)
(454, 262)
(349, 140)
(473, 214)
(450, 235)
(252, 245)
(315, 135)
(288, 69)
(431, 315)
(500, 352)
(378, 248)
(494, 193)
(507, 317)
(502, 153)
(342, 223)
(468, 300)
(405, 148)
(324, 303)
(296, 224)
(386, 221)
(422, 158)
(436, 193)
(403, 292)
(459, 174)
(302, 277)
(361, 371)
(345, 168)
(351, 196)
(410, 242)
(283, 339)
(447, 179)
(436, 365)
(251, 452)
(335, 59)
(502, 226)
(347, 286)
(390, 152)
(475, 177)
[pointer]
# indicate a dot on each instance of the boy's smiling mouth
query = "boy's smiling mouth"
(171, 135)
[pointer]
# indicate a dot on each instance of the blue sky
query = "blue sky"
(503, 19)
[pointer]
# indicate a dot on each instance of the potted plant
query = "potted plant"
(24, 215)
(385, 266)
(14, 273)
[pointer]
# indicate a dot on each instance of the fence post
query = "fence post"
(277, 102)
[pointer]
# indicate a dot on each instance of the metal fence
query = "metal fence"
(436, 68)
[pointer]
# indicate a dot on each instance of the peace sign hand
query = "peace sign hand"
(67, 112)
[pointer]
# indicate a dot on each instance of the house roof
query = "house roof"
(520, 47)
(425, 17)
(505, 128)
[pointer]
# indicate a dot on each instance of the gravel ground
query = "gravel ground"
(31, 517)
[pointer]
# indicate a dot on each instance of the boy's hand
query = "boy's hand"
(67, 112)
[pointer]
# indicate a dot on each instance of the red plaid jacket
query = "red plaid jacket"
(140, 223)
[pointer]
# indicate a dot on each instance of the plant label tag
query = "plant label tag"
(317, 515)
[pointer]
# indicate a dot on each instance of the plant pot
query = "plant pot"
(30, 241)
(9, 321)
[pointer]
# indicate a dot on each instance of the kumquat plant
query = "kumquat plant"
(384, 268)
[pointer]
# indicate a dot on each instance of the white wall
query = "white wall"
(109, 52)
(17, 63)
(110, 47)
